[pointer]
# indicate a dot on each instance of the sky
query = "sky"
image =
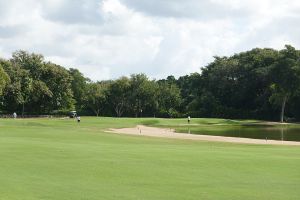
(106, 39)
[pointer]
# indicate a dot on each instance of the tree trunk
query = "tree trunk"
(23, 108)
(96, 111)
(119, 110)
(283, 108)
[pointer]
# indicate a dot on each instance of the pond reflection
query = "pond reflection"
(255, 132)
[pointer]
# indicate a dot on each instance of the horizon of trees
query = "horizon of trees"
(257, 84)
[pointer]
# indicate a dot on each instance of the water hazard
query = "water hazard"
(260, 132)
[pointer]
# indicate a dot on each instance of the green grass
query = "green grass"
(63, 160)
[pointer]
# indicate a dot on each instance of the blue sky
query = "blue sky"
(106, 39)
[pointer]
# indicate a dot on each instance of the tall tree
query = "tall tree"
(79, 86)
(238, 86)
(190, 87)
(18, 90)
(96, 96)
(286, 77)
(169, 99)
(58, 80)
(4, 79)
(27, 70)
(119, 95)
(143, 94)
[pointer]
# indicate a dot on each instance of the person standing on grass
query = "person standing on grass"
(15, 115)
(78, 119)
(189, 119)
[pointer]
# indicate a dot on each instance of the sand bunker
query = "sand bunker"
(170, 133)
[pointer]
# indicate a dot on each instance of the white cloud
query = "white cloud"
(110, 38)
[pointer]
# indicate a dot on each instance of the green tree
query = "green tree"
(96, 96)
(238, 86)
(79, 86)
(17, 91)
(41, 94)
(26, 70)
(40, 86)
(4, 79)
(169, 99)
(119, 93)
(31, 62)
(190, 87)
(286, 78)
(58, 80)
(143, 94)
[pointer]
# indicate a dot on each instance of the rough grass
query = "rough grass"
(60, 159)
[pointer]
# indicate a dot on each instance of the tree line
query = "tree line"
(256, 84)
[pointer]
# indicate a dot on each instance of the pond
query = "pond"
(255, 132)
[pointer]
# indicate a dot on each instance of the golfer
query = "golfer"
(15, 115)
(189, 119)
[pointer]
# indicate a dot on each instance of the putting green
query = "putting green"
(61, 159)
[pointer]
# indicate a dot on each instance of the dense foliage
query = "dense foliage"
(260, 84)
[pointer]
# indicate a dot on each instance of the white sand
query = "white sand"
(170, 133)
